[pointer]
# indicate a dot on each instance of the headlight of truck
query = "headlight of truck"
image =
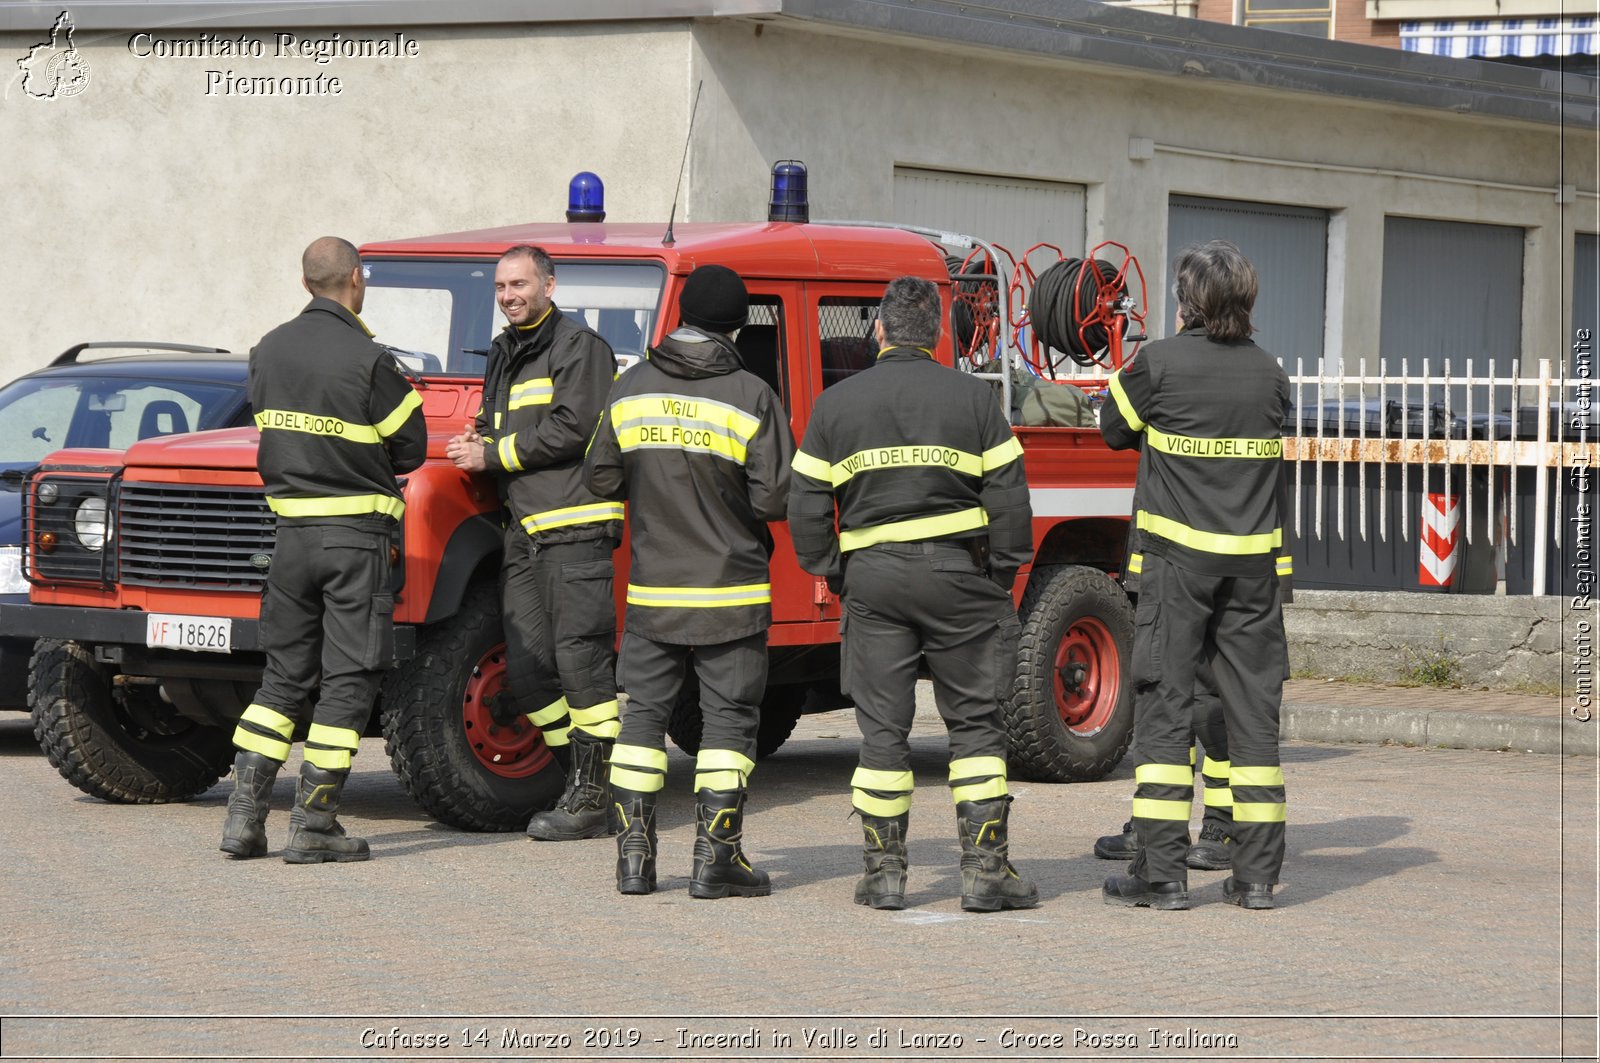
(11, 581)
(89, 523)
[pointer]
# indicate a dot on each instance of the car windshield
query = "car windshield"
(441, 315)
(42, 414)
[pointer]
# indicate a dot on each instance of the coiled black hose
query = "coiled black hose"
(1056, 316)
(969, 293)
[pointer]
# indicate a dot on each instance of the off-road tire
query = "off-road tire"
(1065, 609)
(102, 749)
(424, 727)
(780, 712)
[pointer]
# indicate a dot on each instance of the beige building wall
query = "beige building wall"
(854, 109)
(144, 208)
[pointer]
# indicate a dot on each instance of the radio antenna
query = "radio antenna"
(667, 241)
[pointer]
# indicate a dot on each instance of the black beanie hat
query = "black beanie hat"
(714, 299)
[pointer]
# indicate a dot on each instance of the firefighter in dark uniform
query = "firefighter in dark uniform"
(543, 391)
(337, 421)
(933, 522)
(700, 450)
(1207, 408)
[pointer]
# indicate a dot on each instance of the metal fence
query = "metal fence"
(1391, 433)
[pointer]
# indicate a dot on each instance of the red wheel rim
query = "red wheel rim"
(512, 750)
(1088, 676)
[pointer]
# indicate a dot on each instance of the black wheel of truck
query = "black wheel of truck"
(780, 711)
(1070, 718)
(461, 766)
(121, 744)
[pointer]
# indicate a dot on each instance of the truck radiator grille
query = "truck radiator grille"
(193, 536)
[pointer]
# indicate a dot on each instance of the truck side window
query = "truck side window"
(844, 329)
(761, 344)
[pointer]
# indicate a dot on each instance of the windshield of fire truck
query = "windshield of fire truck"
(441, 314)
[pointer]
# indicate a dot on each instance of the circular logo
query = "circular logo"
(261, 561)
(67, 73)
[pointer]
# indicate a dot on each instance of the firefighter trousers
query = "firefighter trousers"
(561, 629)
(1234, 624)
(909, 602)
(732, 677)
(328, 612)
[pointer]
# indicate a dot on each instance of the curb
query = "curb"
(1439, 729)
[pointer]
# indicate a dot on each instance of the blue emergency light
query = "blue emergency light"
(586, 198)
(788, 201)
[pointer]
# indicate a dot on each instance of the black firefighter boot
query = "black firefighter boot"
(720, 867)
(245, 833)
(884, 884)
(988, 881)
(315, 836)
(636, 844)
(584, 810)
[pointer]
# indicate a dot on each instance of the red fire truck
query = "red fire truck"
(147, 565)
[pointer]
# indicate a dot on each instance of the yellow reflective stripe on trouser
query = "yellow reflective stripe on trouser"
(599, 720)
(1218, 797)
(722, 770)
(884, 794)
(1164, 774)
(1209, 542)
(1135, 563)
(1124, 403)
(1004, 454)
(330, 748)
(337, 506)
(540, 391)
(911, 531)
(815, 468)
(638, 768)
(506, 449)
(977, 779)
(594, 513)
(923, 455)
(392, 423)
(256, 719)
(699, 597)
(1216, 769)
(549, 714)
(1218, 794)
(1270, 776)
(316, 425)
(1218, 447)
(1149, 808)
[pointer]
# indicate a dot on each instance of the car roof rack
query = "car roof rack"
(70, 355)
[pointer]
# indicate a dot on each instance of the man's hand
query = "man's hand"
(466, 450)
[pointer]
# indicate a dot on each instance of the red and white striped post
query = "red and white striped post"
(1441, 520)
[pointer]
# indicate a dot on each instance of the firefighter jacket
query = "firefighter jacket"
(542, 396)
(700, 450)
(337, 418)
(912, 450)
(1208, 419)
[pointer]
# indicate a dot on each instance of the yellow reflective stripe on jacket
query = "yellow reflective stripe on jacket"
(1124, 403)
(397, 419)
(507, 450)
(660, 419)
(1209, 542)
(317, 425)
(540, 391)
(815, 468)
(1220, 447)
(700, 597)
(1136, 563)
(594, 513)
(1004, 454)
(911, 531)
(337, 506)
(1285, 566)
(916, 456)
